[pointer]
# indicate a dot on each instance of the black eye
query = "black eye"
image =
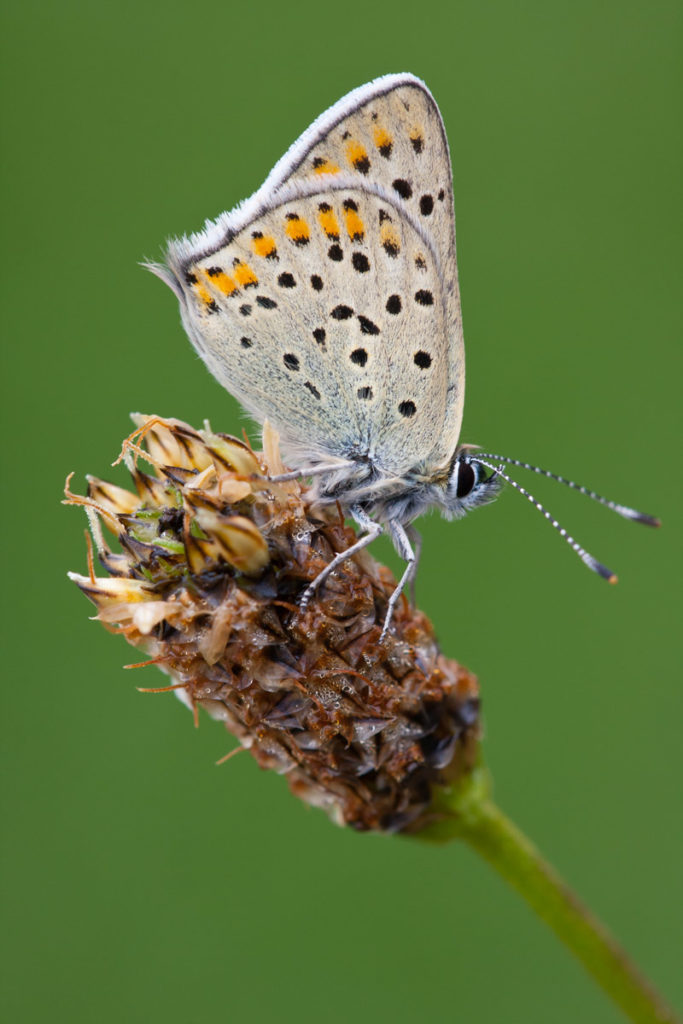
(466, 480)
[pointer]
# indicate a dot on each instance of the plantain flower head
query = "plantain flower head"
(211, 558)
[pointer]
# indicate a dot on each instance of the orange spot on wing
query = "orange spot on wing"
(417, 139)
(329, 223)
(355, 152)
(264, 246)
(203, 292)
(244, 275)
(223, 282)
(297, 229)
(383, 139)
(390, 237)
(325, 167)
(354, 225)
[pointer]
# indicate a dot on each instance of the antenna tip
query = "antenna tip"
(647, 520)
(601, 570)
(642, 517)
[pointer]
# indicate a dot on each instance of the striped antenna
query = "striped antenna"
(585, 557)
(622, 510)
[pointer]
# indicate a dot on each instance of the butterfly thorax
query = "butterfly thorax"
(382, 495)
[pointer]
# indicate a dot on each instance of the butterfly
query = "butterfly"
(328, 303)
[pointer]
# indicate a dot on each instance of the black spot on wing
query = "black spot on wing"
(367, 326)
(403, 187)
(341, 312)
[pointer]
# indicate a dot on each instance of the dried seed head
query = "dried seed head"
(213, 560)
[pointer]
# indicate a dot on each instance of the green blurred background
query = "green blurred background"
(144, 884)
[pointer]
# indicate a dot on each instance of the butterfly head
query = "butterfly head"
(469, 484)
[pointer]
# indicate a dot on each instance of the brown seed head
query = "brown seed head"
(213, 560)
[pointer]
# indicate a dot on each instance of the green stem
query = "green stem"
(466, 811)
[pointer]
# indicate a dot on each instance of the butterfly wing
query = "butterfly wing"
(328, 302)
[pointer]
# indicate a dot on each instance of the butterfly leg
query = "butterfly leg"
(298, 474)
(404, 549)
(373, 531)
(416, 540)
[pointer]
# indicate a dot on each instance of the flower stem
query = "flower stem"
(466, 811)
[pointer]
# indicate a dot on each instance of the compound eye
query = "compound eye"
(466, 479)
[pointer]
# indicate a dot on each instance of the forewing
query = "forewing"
(388, 133)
